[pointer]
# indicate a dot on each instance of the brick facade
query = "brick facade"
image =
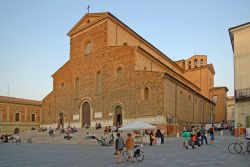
(123, 70)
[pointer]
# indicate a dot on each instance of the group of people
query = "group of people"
(10, 138)
(196, 135)
(98, 126)
(157, 137)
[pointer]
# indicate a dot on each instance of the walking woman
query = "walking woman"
(151, 137)
(211, 132)
(158, 136)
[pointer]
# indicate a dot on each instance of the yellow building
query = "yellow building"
(19, 114)
(240, 40)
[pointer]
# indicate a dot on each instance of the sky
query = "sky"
(34, 42)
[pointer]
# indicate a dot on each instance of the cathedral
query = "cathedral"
(114, 76)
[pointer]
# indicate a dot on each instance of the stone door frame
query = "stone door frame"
(87, 100)
(115, 116)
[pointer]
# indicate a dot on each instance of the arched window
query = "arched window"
(189, 65)
(146, 93)
(88, 48)
(77, 86)
(98, 82)
(62, 85)
(119, 71)
(49, 108)
(201, 62)
(195, 62)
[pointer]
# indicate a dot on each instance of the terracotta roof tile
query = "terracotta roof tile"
(19, 100)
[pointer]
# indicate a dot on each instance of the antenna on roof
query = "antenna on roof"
(8, 89)
(88, 8)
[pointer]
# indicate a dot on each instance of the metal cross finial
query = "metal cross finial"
(88, 8)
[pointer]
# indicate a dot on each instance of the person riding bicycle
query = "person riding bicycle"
(130, 146)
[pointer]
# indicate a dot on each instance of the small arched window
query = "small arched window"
(62, 85)
(119, 71)
(88, 48)
(77, 86)
(195, 62)
(98, 82)
(189, 65)
(146, 93)
(201, 62)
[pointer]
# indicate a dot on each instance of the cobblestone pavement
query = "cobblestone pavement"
(169, 154)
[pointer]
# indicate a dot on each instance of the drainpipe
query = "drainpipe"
(193, 108)
(176, 108)
(203, 111)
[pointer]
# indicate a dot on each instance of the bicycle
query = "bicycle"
(240, 146)
(138, 153)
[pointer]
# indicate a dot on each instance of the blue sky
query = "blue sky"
(34, 44)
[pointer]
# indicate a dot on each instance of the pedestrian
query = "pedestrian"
(151, 137)
(162, 138)
(158, 136)
(198, 134)
(203, 134)
(130, 143)
(119, 144)
(211, 132)
(193, 137)
(186, 137)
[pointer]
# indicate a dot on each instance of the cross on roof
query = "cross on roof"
(88, 8)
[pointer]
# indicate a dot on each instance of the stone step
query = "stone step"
(78, 138)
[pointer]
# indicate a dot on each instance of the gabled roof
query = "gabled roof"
(7, 99)
(103, 15)
(93, 16)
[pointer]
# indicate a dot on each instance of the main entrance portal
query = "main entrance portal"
(118, 116)
(85, 114)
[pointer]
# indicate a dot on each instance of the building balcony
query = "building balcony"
(242, 94)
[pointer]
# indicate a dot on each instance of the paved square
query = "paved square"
(169, 154)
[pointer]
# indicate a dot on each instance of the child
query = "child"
(193, 137)
(185, 134)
